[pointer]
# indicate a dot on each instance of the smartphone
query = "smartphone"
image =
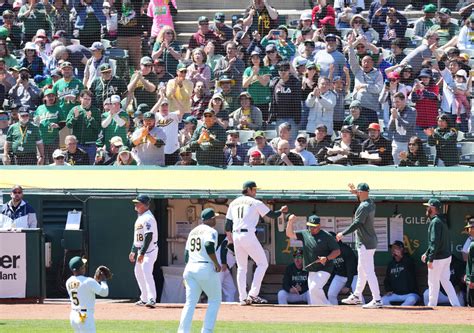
(276, 33)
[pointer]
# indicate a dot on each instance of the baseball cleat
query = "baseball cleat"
(246, 301)
(373, 305)
(140, 303)
(151, 303)
(351, 300)
(257, 300)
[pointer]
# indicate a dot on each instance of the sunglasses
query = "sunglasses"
(412, 144)
(270, 52)
(330, 39)
(360, 47)
(59, 158)
(357, 22)
(17, 192)
(24, 115)
(169, 32)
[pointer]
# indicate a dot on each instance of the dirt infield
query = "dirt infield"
(106, 310)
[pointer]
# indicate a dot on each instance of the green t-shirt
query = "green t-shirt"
(23, 139)
(36, 20)
(63, 88)
(445, 33)
(314, 246)
(45, 116)
(113, 129)
(260, 94)
(85, 130)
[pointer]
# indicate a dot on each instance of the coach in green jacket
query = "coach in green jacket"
(438, 254)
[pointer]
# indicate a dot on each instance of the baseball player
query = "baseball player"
(345, 273)
(366, 243)
(226, 259)
(82, 291)
(438, 254)
(242, 218)
(200, 273)
(295, 282)
(469, 228)
(145, 250)
(319, 250)
(470, 276)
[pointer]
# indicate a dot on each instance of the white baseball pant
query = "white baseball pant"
(406, 299)
(397, 148)
(246, 244)
(285, 297)
(200, 277)
(86, 326)
(144, 276)
(441, 273)
(316, 283)
(366, 273)
(338, 282)
(228, 286)
(442, 298)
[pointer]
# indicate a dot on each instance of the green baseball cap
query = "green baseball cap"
(202, 19)
(181, 67)
(363, 187)
(143, 198)
(149, 115)
(105, 67)
(76, 263)
(49, 92)
(259, 134)
(433, 202)
(249, 184)
(208, 214)
(429, 8)
(313, 221)
(445, 11)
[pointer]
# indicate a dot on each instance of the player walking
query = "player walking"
(82, 291)
(366, 243)
(242, 219)
(145, 250)
(438, 255)
(201, 273)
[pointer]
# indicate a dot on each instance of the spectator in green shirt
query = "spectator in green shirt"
(34, 17)
(67, 88)
(445, 29)
(114, 122)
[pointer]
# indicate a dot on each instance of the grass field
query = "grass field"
(109, 326)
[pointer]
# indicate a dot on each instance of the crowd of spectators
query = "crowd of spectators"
(340, 87)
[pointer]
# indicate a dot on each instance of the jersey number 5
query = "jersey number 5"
(195, 244)
(75, 300)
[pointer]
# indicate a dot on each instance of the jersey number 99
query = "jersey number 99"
(195, 244)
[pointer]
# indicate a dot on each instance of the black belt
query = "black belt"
(200, 262)
(241, 230)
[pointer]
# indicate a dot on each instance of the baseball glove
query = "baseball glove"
(103, 273)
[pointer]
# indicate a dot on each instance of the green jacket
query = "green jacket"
(85, 130)
(212, 151)
(439, 241)
(45, 116)
(113, 130)
(445, 141)
(363, 225)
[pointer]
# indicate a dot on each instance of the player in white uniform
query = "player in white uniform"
(82, 291)
(201, 273)
(226, 259)
(145, 250)
(242, 219)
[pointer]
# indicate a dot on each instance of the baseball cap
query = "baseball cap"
(4, 115)
(159, 61)
(255, 52)
(313, 221)
(233, 131)
(66, 64)
(306, 16)
(471, 18)
(429, 8)
(76, 263)
(237, 27)
(363, 187)
(283, 27)
(245, 94)
(184, 150)
(97, 46)
(337, 78)
(142, 198)
(143, 108)
(398, 243)
(116, 141)
(211, 111)
(425, 72)
(105, 67)
(123, 149)
(330, 36)
(433, 202)
(445, 11)
(164, 101)
(355, 104)
(202, 19)
(115, 99)
(208, 214)
(310, 65)
(7, 13)
(462, 73)
(190, 119)
(298, 253)
(224, 78)
(249, 184)
(181, 66)
(256, 154)
(146, 61)
(284, 125)
(219, 17)
(57, 153)
(24, 69)
(239, 35)
(55, 72)
(302, 135)
(149, 115)
(310, 42)
(259, 134)
(29, 46)
(322, 126)
(301, 62)
(23, 110)
(374, 126)
(270, 48)
(49, 92)
(444, 117)
(470, 222)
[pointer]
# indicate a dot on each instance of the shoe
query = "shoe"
(351, 300)
(140, 303)
(245, 302)
(151, 303)
(373, 305)
(257, 300)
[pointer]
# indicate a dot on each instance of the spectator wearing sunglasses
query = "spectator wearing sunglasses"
(17, 213)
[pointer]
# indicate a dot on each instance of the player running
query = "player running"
(242, 219)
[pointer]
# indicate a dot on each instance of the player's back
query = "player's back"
(245, 212)
(82, 291)
(196, 243)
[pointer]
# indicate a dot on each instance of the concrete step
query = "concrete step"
(193, 14)
(229, 4)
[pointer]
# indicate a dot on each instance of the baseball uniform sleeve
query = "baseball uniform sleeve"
(262, 209)
(360, 216)
(467, 244)
(299, 235)
(434, 241)
(101, 289)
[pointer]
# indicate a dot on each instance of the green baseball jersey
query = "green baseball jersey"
(45, 116)
(295, 277)
(24, 138)
(113, 129)
(439, 241)
(363, 225)
(314, 246)
(85, 129)
(62, 88)
(260, 94)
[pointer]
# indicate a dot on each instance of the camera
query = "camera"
(387, 83)
(24, 76)
(276, 33)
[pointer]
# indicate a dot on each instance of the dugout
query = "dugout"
(104, 196)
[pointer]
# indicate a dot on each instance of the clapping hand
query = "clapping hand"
(428, 131)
